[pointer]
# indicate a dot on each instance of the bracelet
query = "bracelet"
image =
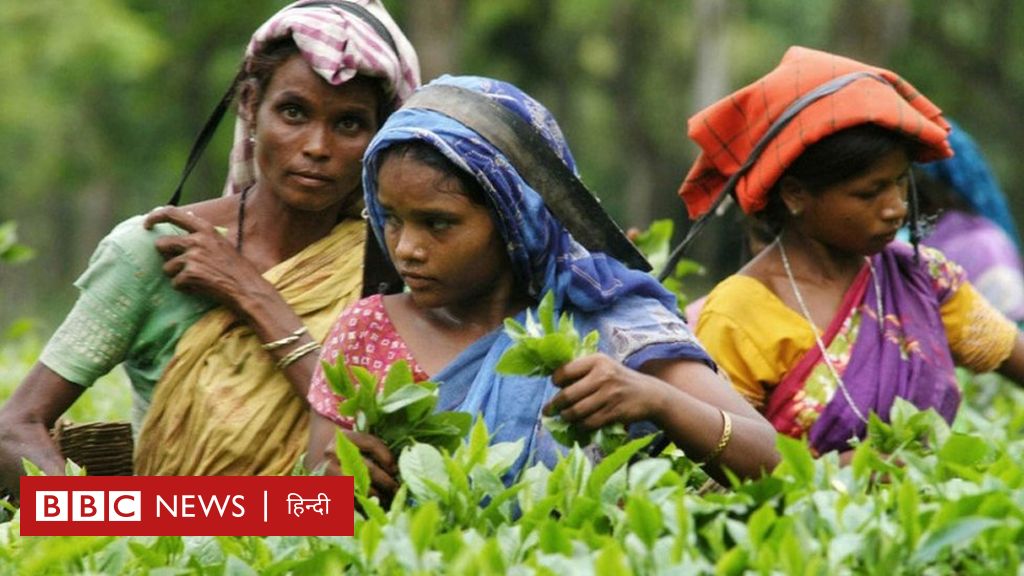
(296, 354)
(724, 440)
(286, 340)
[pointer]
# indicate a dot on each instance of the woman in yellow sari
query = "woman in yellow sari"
(216, 308)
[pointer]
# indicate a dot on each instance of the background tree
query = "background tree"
(102, 98)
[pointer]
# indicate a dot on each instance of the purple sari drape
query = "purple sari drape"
(910, 358)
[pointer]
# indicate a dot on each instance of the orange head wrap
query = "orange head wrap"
(729, 130)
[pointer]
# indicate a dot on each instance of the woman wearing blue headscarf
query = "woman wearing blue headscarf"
(973, 224)
(475, 244)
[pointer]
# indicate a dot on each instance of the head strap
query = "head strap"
(565, 195)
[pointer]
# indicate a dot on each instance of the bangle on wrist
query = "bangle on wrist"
(293, 337)
(724, 440)
(296, 354)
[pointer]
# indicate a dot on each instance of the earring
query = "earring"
(252, 137)
(795, 211)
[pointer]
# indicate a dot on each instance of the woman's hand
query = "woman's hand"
(202, 261)
(684, 398)
(380, 462)
(597, 391)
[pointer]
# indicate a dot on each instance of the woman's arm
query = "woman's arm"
(1013, 366)
(204, 262)
(25, 422)
(684, 398)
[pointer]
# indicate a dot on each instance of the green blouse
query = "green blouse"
(126, 312)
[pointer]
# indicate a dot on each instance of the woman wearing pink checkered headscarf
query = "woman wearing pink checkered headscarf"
(215, 308)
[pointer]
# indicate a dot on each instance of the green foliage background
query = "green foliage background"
(102, 98)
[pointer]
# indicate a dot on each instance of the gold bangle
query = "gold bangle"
(294, 336)
(724, 440)
(296, 354)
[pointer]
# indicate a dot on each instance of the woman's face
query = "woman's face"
(445, 246)
(311, 135)
(860, 215)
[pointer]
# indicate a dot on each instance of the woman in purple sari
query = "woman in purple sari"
(973, 223)
(834, 320)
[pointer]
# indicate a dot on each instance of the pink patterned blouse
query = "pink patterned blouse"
(366, 336)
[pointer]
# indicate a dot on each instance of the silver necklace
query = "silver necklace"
(814, 327)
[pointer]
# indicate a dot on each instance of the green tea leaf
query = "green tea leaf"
(352, 463)
(71, 468)
(338, 378)
(399, 375)
(796, 459)
(554, 539)
(960, 531)
(422, 465)
(611, 560)
(557, 350)
(501, 456)
(589, 344)
(612, 462)
(519, 361)
(546, 312)
(404, 396)
(31, 469)
(654, 243)
(644, 519)
(423, 526)
(514, 329)
(964, 450)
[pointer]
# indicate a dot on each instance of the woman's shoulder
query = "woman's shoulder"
(130, 244)
(928, 263)
(366, 313)
(131, 234)
(747, 304)
(739, 294)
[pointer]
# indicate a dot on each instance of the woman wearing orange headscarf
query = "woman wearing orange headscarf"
(835, 320)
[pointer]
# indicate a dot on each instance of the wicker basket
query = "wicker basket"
(102, 448)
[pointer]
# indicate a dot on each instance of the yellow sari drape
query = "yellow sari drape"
(221, 407)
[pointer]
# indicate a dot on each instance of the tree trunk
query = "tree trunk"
(711, 80)
(432, 28)
(869, 30)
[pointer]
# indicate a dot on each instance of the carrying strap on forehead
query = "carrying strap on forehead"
(787, 116)
(210, 127)
(564, 194)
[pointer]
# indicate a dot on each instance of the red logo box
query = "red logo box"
(187, 506)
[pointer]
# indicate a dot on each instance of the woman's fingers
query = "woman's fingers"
(373, 449)
(179, 217)
(380, 478)
(568, 397)
(579, 411)
(597, 390)
(171, 246)
(174, 266)
(381, 467)
(581, 378)
(578, 368)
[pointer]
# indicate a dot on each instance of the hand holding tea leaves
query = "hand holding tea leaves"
(400, 412)
(542, 347)
(387, 419)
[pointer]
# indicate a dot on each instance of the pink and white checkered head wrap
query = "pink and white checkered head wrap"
(338, 45)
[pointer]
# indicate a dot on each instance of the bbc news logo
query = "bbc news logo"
(187, 506)
(88, 506)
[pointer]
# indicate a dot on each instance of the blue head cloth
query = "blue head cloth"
(543, 253)
(969, 176)
(634, 315)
